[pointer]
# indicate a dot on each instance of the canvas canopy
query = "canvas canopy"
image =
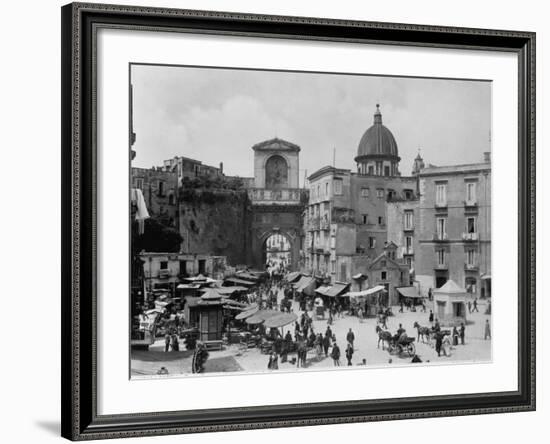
(247, 313)
(261, 315)
(247, 276)
(230, 290)
(292, 277)
(280, 320)
(409, 292)
(304, 283)
(238, 281)
(367, 292)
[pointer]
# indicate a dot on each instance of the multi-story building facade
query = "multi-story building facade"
(345, 223)
(160, 191)
(454, 238)
(186, 167)
(167, 270)
(446, 233)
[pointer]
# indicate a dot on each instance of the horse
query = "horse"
(424, 332)
(382, 317)
(383, 335)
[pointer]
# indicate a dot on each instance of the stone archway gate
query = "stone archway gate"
(276, 212)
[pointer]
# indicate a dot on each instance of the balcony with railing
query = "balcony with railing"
(313, 224)
(470, 237)
(283, 196)
(474, 266)
(164, 273)
(440, 237)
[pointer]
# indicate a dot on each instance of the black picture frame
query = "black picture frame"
(79, 396)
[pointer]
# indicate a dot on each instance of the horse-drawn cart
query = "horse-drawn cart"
(401, 345)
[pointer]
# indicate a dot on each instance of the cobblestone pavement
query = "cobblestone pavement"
(476, 348)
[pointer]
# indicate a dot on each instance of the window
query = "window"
(171, 199)
(408, 194)
(441, 194)
(470, 193)
(384, 275)
(372, 242)
(371, 170)
(164, 265)
(408, 219)
(364, 192)
(139, 183)
(441, 226)
(471, 257)
(338, 187)
(383, 263)
(386, 170)
(441, 257)
(391, 194)
(326, 189)
(318, 191)
(365, 219)
(183, 267)
(408, 243)
(380, 220)
(471, 285)
(380, 193)
(333, 266)
(161, 188)
(471, 225)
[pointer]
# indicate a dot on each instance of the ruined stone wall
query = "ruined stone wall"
(215, 222)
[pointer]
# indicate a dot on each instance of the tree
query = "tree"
(156, 238)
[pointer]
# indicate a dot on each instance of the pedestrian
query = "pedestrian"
(455, 336)
(273, 363)
(400, 330)
(329, 333)
(431, 317)
(350, 337)
(349, 353)
(423, 306)
(438, 342)
(462, 333)
(475, 306)
(487, 329)
(167, 340)
(430, 293)
(400, 306)
(437, 327)
(469, 306)
(326, 344)
(446, 346)
(175, 343)
(335, 354)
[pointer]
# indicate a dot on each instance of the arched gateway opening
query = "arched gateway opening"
(277, 252)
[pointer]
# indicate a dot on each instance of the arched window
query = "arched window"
(276, 172)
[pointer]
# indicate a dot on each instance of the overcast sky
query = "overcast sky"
(216, 115)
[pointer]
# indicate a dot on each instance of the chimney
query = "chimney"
(487, 156)
(221, 167)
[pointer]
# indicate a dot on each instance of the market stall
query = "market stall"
(409, 296)
(371, 300)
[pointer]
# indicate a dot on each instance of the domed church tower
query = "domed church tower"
(377, 153)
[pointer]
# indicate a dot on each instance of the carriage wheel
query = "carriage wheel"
(411, 349)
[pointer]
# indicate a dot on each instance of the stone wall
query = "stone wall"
(215, 222)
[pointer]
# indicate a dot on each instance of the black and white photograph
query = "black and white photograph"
(291, 221)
